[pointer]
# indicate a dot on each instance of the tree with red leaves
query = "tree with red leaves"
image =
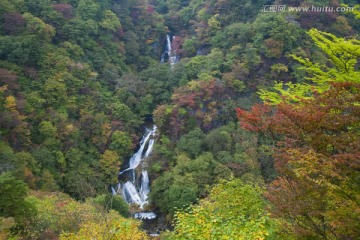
(317, 155)
(8, 79)
(13, 23)
(317, 194)
(197, 103)
(65, 9)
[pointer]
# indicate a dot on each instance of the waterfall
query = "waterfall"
(150, 147)
(130, 194)
(136, 190)
(172, 55)
(145, 186)
(138, 156)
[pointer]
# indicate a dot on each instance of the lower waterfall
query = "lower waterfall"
(136, 189)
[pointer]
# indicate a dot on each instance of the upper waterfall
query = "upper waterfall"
(170, 52)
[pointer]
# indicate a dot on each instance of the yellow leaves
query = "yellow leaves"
(94, 74)
(109, 165)
(313, 166)
(10, 103)
(110, 21)
(193, 85)
(69, 129)
(150, 41)
(5, 225)
(232, 211)
(214, 23)
(287, 92)
(342, 53)
(357, 11)
(106, 130)
(112, 226)
(3, 88)
(59, 213)
(36, 26)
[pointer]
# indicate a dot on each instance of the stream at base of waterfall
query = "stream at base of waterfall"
(137, 187)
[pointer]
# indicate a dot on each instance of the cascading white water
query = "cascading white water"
(150, 147)
(130, 194)
(168, 44)
(145, 186)
(138, 156)
(132, 191)
(173, 57)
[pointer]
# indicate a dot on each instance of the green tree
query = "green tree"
(114, 202)
(45, 158)
(168, 192)
(12, 194)
(88, 9)
(6, 6)
(55, 92)
(218, 140)
(8, 160)
(343, 55)
(48, 182)
(47, 130)
(35, 25)
(251, 57)
(190, 46)
(110, 21)
(233, 210)
(121, 143)
(195, 66)
(113, 226)
(109, 165)
(192, 143)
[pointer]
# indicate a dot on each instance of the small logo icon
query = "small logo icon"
(269, 8)
(281, 8)
(273, 8)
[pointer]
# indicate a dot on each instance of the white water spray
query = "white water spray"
(169, 51)
(134, 191)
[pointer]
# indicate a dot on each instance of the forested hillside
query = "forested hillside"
(257, 114)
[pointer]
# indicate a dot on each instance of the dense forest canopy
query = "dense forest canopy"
(258, 118)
